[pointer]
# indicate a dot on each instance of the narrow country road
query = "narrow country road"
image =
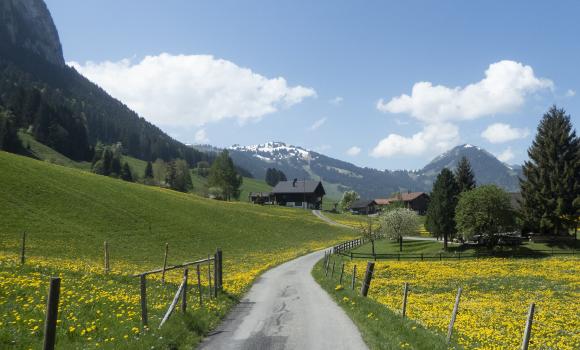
(327, 220)
(287, 309)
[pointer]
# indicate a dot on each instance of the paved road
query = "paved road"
(287, 309)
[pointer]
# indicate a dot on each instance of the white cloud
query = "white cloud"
(434, 138)
(192, 90)
(506, 155)
(201, 136)
(499, 133)
(504, 88)
(353, 151)
(570, 93)
(336, 101)
(317, 124)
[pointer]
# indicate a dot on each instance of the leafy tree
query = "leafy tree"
(203, 168)
(126, 174)
(441, 210)
(399, 222)
(551, 184)
(223, 175)
(348, 198)
(148, 171)
(159, 172)
(485, 211)
(464, 175)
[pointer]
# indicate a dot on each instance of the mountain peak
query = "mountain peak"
(28, 24)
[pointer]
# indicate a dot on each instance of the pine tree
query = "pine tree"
(223, 175)
(551, 184)
(441, 210)
(148, 171)
(126, 173)
(464, 175)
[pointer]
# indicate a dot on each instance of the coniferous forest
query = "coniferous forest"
(67, 112)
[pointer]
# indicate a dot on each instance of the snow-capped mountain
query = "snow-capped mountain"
(339, 176)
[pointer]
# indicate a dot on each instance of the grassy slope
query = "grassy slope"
(380, 327)
(43, 152)
(70, 213)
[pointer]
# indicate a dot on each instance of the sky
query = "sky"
(383, 84)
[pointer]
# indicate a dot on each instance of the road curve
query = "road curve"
(286, 309)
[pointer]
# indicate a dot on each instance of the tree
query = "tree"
(464, 175)
(9, 140)
(273, 176)
(148, 171)
(348, 198)
(441, 210)
(485, 211)
(203, 168)
(126, 173)
(159, 172)
(399, 222)
(551, 184)
(178, 176)
(223, 175)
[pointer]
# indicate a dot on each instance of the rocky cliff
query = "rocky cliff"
(28, 24)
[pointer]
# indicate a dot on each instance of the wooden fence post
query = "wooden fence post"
(23, 248)
(51, 314)
(332, 273)
(199, 284)
(209, 275)
(367, 279)
(353, 277)
(326, 268)
(143, 283)
(528, 329)
(184, 292)
(107, 266)
(220, 268)
(215, 275)
(341, 274)
(164, 263)
(453, 315)
(405, 293)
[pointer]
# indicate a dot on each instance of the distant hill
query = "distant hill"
(486, 167)
(339, 176)
(57, 105)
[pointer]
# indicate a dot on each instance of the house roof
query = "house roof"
(382, 201)
(298, 186)
(405, 197)
(363, 203)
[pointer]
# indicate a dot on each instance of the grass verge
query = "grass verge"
(380, 327)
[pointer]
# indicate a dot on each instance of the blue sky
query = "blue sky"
(330, 76)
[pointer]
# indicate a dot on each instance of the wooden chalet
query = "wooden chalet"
(364, 207)
(416, 201)
(298, 193)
